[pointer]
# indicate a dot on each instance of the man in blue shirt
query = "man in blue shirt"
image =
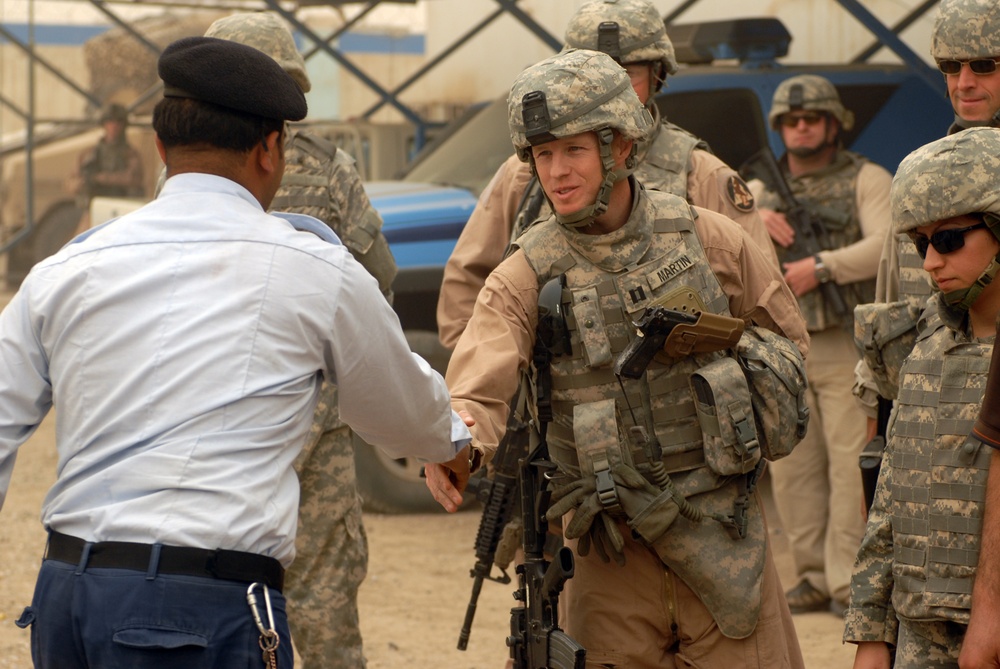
(184, 346)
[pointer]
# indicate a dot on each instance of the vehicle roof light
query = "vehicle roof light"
(746, 40)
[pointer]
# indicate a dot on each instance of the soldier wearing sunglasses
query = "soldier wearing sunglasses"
(912, 588)
(965, 44)
(815, 486)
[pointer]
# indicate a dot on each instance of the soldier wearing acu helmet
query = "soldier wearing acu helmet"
(692, 571)
(918, 557)
(965, 44)
(112, 168)
(818, 488)
(668, 159)
(331, 547)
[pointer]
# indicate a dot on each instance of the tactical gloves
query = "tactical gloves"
(649, 511)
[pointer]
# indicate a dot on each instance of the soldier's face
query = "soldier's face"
(569, 170)
(975, 97)
(958, 269)
(805, 132)
(641, 76)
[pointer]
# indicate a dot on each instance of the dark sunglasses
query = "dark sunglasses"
(792, 120)
(944, 241)
(977, 65)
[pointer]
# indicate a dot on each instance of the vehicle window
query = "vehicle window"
(729, 119)
(470, 155)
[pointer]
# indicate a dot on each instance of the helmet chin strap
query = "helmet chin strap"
(585, 217)
(964, 298)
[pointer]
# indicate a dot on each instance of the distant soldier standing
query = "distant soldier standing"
(669, 159)
(817, 489)
(112, 168)
(331, 549)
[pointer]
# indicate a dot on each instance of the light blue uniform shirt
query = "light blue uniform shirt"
(183, 347)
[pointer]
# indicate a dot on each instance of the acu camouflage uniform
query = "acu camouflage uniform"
(607, 287)
(916, 565)
(331, 548)
(964, 29)
(922, 542)
(826, 193)
(704, 445)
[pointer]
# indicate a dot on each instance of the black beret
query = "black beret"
(231, 75)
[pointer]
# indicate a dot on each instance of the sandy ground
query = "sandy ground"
(412, 603)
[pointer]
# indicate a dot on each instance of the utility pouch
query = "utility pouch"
(590, 325)
(725, 413)
(775, 373)
(600, 446)
(885, 333)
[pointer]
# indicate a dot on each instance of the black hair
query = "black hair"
(183, 122)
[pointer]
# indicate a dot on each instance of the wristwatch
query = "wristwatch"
(822, 271)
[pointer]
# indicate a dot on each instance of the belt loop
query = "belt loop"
(84, 558)
(154, 562)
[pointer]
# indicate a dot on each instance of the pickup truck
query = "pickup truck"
(722, 93)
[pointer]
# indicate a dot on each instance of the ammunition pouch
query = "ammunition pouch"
(601, 447)
(885, 334)
(725, 413)
(775, 374)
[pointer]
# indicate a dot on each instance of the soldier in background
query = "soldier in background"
(693, 579)
(331, 547)
(818, 487)
(669, 159)
(918, 558)
(112, 168)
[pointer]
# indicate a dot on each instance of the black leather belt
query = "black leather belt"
(219, 563)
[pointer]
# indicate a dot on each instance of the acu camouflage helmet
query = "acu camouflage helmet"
(630, 31)
(805, 92)
(956, 175)
(966, 29)
(573, 92)
(264, 32)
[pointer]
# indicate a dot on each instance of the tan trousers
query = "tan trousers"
(641, 616)
(817, 489)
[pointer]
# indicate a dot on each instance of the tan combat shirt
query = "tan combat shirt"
(484, 370)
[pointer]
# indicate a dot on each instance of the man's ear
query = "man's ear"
(621, 149)
(269, 152)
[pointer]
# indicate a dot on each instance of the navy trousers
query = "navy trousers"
(119, 618)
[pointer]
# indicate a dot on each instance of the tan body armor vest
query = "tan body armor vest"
(938, 476)
(828, 194)
(591, 409)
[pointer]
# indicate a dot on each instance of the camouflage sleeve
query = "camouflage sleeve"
(360, 225)
(870, 616)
